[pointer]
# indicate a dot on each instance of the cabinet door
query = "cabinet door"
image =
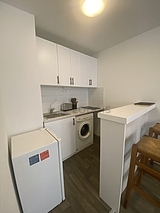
(47, 62)
(65, 130)
(64, 65)
(92, 74)
(75, 68)
(88, 71)
(84, 70)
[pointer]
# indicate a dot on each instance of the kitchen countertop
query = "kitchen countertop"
(72, 113)
(125, 114)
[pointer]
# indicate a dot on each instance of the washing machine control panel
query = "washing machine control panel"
(84, 117)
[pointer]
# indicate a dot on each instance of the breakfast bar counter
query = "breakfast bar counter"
(120, 128)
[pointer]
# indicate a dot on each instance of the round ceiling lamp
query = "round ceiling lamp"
(92, 8)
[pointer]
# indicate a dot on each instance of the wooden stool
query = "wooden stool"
(147, 148)
(154, 131)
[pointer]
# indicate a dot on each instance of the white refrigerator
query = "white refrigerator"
(38, 171)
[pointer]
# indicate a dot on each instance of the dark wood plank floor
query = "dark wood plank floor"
(81, 175)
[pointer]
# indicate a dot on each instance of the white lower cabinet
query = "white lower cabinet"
(65, 130)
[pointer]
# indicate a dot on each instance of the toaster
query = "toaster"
(66, 106)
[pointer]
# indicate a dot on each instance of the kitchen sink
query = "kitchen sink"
(54, 115)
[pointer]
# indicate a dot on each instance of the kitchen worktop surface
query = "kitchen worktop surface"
(126, 114)
(74, 112)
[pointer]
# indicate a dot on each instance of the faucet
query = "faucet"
(51, 110)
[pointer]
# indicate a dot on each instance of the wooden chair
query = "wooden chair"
(154, 131)
(147, 148)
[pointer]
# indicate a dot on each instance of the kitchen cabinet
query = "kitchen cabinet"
(59, 65)
(69, 65)
(88, 71)
(76, 68)
(92, 72)
(64, 65)
(65, 130)
(47, 62)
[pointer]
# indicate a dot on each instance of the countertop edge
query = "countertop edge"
(73, 113)
(113, 116)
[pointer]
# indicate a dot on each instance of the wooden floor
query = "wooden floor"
(81, 175)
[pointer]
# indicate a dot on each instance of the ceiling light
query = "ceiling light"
(92, 8)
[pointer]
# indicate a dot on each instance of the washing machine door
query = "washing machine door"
(84, 130)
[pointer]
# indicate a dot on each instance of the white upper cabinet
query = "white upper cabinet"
(84, 70)
(59, 65)
(75, 68)
(92, 72)
(88, 71)
(69, 64)
(47, 62)
(64, 65)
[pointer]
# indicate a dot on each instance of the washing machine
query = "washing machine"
(84, 131)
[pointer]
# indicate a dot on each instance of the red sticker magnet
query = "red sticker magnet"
(44, 155)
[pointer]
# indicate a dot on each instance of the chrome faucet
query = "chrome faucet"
(51, 110)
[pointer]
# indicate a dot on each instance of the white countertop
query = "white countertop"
(125, 114)
(72, 113)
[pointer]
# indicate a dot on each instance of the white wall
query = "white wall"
(19, 83)
(96, 97)
(130, 71)
(8, 202)
(20, 99)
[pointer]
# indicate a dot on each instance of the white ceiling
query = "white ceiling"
(62, 21)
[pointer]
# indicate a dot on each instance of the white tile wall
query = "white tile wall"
(53, 96)
(96, 97)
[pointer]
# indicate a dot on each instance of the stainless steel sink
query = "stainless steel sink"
(54, 115)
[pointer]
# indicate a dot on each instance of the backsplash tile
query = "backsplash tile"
(96, 97)
(53, 97)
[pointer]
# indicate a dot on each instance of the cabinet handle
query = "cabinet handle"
(71, 81)
(73, 121)
(90, 81)
(57, 79)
